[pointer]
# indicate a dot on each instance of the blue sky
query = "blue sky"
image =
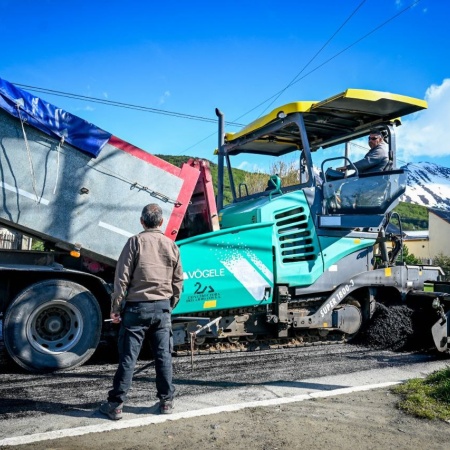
(191, 57)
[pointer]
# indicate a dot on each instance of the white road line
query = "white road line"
(148, 420)
(115, 229)
(23, 193)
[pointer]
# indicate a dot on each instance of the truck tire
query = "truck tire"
(52, 325)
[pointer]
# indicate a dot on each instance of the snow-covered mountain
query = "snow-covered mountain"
(428, 185)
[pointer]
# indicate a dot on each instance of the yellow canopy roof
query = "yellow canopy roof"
(328, 122)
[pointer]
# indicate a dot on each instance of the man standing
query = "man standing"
(147, 286)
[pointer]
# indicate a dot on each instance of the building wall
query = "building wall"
(13, 240)
(420, 248)
(9, 240)
(439, 237)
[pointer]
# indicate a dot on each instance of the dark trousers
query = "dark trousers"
(138, 320)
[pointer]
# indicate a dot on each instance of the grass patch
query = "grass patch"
(427, 398)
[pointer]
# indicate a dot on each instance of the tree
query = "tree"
(37, 245)
(444, 262)
(407, 258)
(287, 171)
(254, 182)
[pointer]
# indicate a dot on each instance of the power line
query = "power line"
(210, 120)
(360, 39)
(313, 58)
(320, 65)
(336, 55)
(354, 144)
(199, 142)
(123, 105)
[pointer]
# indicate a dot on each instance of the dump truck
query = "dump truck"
(276, 258)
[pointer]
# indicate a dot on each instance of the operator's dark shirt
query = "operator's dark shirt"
(149, 269)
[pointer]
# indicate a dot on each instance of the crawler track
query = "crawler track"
(225, 346)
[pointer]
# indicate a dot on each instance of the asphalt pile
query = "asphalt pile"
(398, 328)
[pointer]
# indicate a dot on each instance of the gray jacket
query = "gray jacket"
(376, 160)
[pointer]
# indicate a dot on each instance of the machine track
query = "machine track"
(231, 346)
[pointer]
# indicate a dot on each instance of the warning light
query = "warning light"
(75, 253)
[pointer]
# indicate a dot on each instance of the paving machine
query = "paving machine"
(305, 255)
(275, 257)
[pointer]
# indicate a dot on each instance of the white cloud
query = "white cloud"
(85, 108)
(164, 97)
(105, 94)
(400, 4)
(252, 167)
(244, 165)
(425, 133)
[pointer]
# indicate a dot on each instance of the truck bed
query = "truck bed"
(66, 195)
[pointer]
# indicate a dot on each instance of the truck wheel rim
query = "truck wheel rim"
(54, 327)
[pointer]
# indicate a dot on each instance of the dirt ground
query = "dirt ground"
(362, 420)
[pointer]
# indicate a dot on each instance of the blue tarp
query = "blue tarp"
(52, 120)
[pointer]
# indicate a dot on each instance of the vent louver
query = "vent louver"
(294, 235)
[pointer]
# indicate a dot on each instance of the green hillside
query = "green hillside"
(414, 217)
(238, 174)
